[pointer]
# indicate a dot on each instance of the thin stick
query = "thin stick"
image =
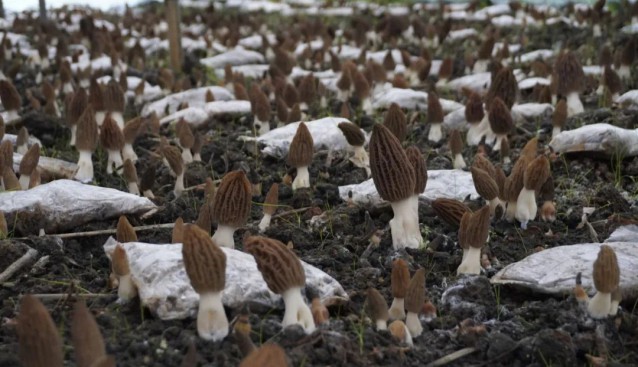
(293, 211)
(106, 231)
(59, 296)
(18, 264)
(452, 357)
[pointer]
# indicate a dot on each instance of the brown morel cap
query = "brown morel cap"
(378, 72)
(570, 74)
(119, 261)
(423, 67)
(48, 91)
(30, 160)
(11, 182)
(86, 336)
(269, 354)
(400, 278)
(198, 143)
(500, 117)
(113, 97)
(388, 61)
(38, 339)
(435, 110)
(464, 225)
(345, 81)
(96, 95)
(504, 86)
(272, 198)
(446, 69)
(282, 110)
(399, 82)
(484, 183)
(132, 129)
(482, 162)
(479, 227)
(485, 50)
(148, 178)
(111, 136)
(361, 86)
(301, 148)
(536, 173)
(516, 180)
(377, 307)
(65, 73)
(23, 136)
(392, 173)
(210, 97)
(606, 270)
(125, 231)
(546, 193)
(290, 95)
(205, 262)
(4, 229)
(449, 210)
(2, 128)
(240, 92)
(177, 236)
(474, 109)
(612, 80)
(174, 158)
(87, 130)
(455, 142)
(415, 296)
(308, 89)
(560, 114)
(78, 104)
(204, 218)
(232, 200)
(420, 168)
(139, 89)
(279, 266)
(9, 95)
(185, 134)
(530, 150)
(6, 154)
(396, 121)
(354, 135)
(261, 105)
(295, 113)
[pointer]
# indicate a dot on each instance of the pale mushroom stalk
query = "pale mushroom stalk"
(599, 305)
(297, 311)
(302, 179)
(212, 323)
(397, 308)
(224, 236)
(473, 234)
(606, 275)
(264, 223)
(536, 174)
(616, 297)
(574, 104)
(114, 161)
(126, 289)
(270, 206)
(415, 298)
(471, 261)
(85, 167)
(404, 226)
(435, 117)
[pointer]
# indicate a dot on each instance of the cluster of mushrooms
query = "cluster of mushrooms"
(94, 110)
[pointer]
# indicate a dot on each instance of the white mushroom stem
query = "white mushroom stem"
(114, 161)
(85, 167)
(297, 311)
(148, 194)
(133, 188)
(179, 184)
(555, 131)
(499, 141)
(118, 118)
(265, 222)
(343, 95)
(525, 207)
(360, 158)
(382, 324)
(574, 105)
(404, 227)
(624, 72)
(197, 157)
(510, 212)
(397, 309)
(99, 117)
(441, 83)
(366, 106)
(22, 149)
(129, 153)
(471, 264)
(67, 88)
(599, 305)
(126, 290)
(10, 116)
(212, 323)
(187, 156)
(74, 131)
(24, 181)
(414, 324)
(435, 133)
(224, 236)
(261, 127)
(480, 66)
(613, 309)
(303, 178)
(459, 162)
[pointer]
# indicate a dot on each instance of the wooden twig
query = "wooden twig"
(18, 264)
(288, 212)
(106, 231)
(452, 357)
(59, 296)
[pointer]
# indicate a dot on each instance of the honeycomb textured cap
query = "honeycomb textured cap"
(396, 121)
(178, 231)
(450, 211)
(205, 262)
(546, 192)
(272, 199)
(78, 104)
(569, 73)
(479, 227)
(130, 172)
(516, 180)
(301, 148)
(132, 129)
(113, 97)
(119, 259)
(38, 339)
(456, 142)
(185, 134)
(504, 86)
(30, 160)
(232, 202)
(111, 136)
(96, 95)
(354, 135)
(530, 150)
(419, 165)
(392, 173)
(377, 307)
(435, 110)
(269, 354)
(500, 117)
(261, 105)
(415, 296)
(484, 183)
(23, 136)
(400, 278)
(463, 230)
(307, 90)
(606, 270)
(88, 342)
(9, 96)
(174, 158)
(537, 173)
(125, 231)
(279, 266)
(483, 162)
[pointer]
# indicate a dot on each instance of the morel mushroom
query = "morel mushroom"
(87, 138)
(473, 233)
(546, 194)
(377, 309)
(186, 139)
(112, 140)
(570, 81)
(487, 187)
(28, 165)
(284, 275)
(399, 281)
(261, 107)
(126, 290)
(11, 100)
(435, 117)
(130, 132)
(559, 117)
(396, 122)
(269, 207)
(474, 114)
(75, 109)
(500, 121)
(414, 300)
(450, 211)
(606, 280)
(456, 148)
(231, 207)
(395, 180)
(300, 156)
(400, 332)
(88, 342)
(176, 163)
(39, 341)
(355, 137)
(270, 354)
(205, 265)
(22, 142)
(535, 176)
(125, 231)
(513, 186)
(130, 175)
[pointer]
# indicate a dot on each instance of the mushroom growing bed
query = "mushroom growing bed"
(521, 310)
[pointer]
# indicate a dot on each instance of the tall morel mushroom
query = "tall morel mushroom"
(130, 132)
(513, 186)
(377, 309)
(399, 280)
(474, 114)
(570, 81)
(606, 280)
(473, 233)
(112, 140)
(535, 176)
(87, 139)
(500, 120)
(414, 300)
(76, 107)
(185, 139)
(395, 180)
(176, 163)
(456, 148)
(396, 122)
(300, 156)
(205, 265)
(487, 187)
(231, 207)
(559, 117)
(284, 275)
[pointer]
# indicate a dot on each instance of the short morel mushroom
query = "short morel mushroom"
(231, 207)
(284, 275)
(414, 300)
(126, 290)
(130, 175)
(535, 176)
(174, 159)
(377, 309)
(185, 139)
(205, 264)
(355, 137)
(546, 194)
(487, 187)
(269, 207)
(456, 148)
(473, 233)
(76, 107)
(87, 139)
(300, 156)
(130, 132)
(450, 211)
(500, 120)
(606, 280)
(11, 101)
(474, 114)
(570, 79)
(559, 117)
(399, 280)
(435, 117)
(29, 165)
(112, 140)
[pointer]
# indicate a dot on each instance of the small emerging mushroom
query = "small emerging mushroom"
(231, 207)
(400, 332)
(435, 117)
(39, 341)
(176, 163)
(86, 143)
(186, 139)
(377, 309)
(205, 265)
(242, 331)
(546, 194)
(269, 207)
(284, 275)
(28, 165)
(130, 175)
(535, 176)
(125, 231)
(355, 137)
(126, 290)
(606, 280)
(473, 233)
(456, 147)
(130, 132)
(487, 187)
(269, 354)
(300, 156)
(414, 299)
(513, 186)
(11, 100)
(400, 278)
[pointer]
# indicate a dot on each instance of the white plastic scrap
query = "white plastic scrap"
(234, 57)
(198, 115)
(195, 98)
(63, 204)
(159, 274)
(410, 99)
(603, 138)
(52, 166)
(445, 183)
(554, 270)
